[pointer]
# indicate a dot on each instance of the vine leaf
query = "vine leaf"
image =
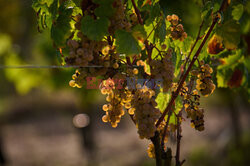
(236, 79)
(154, 12)
(230, 33)
(232, 60)
(206, 10)
(161, 31)
(224, 72)
(206, 13)
(95, 29)
(126, 43)
(150, 32)
(43, 13)
(38, 3)
(162, 100)
(101, 2)
(222, 77)
(54, 9)
(215, 45)
(77, 2)
(105, 10)
(139, 32)
(164, 5)
(237, 12)
(60, 31)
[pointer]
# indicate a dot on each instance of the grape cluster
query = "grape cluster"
(177, 30)
(204, 83)
(151, 150)
(83, 52)
(114, 110)
(102, 57)
(164, 70)
(131, 72)
(191, 105)
(160, 129)
(118, 20)
(78, 78)
(86, 52)
(141, 63)
(198, 121)
(145, 113)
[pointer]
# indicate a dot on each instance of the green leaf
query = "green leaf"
(161, 31)
(154, 12)
(100, 2)
(77, 2)
(224, 71)
(206, 16)
(104, 10)
(184, 45)
(178, 105)
(44, 16)
(39, 3)
(162, 100)
(139, 31)
(164, 5)
(206, 10)
(237, 11)
(150, 32)
(177, 59)
(172, 119)
(232, 60)
(54, 9)
(245, 23)
(60, 31)
(126, 43)
(95, 29)
(222, 78)
(230, 32)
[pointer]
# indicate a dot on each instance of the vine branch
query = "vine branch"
(178, 145)
(158, 151)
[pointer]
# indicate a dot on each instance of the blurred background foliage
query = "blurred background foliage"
(37, 107)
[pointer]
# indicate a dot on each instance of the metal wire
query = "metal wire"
(44, 66)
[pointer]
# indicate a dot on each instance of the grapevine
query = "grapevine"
(138, 51)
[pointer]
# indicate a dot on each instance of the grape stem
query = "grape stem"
(176, 93)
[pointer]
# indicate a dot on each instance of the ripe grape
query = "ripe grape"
(145, 114)
(163, 70)
(177, 30)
